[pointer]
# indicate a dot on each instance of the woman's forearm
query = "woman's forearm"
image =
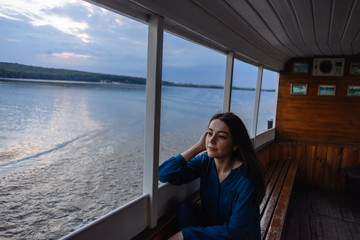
(191, 152)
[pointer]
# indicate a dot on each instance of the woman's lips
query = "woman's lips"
(211, 149)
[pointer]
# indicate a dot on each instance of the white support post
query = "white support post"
(153, 109)
(277, 98)
(257, 101)
(228, 81)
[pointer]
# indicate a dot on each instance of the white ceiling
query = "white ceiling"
(266, 32)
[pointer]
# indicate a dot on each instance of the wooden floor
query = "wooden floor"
(321, 215)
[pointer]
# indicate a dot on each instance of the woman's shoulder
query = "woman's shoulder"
(241, 181)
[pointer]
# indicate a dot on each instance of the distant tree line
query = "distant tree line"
(15, 70)
(21, 71)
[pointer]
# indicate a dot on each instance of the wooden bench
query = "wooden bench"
(279, 179)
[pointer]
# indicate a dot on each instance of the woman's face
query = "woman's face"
(219, 142)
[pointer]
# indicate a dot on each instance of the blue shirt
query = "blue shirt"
(228, 205)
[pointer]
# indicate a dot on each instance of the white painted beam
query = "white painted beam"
(228, 81)
(277, 98)
(257, 102)
(153, 110)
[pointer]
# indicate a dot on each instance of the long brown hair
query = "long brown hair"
(245, 152)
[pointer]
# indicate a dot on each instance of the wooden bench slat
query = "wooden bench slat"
(269, 210)
(271, 184)
(269, 172)
(278, 219)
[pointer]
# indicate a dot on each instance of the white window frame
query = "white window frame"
(153, 110)
(257, 102)
(229, 71)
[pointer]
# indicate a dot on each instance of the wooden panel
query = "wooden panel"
(313, 118)
(322, 14)
(352, 30)
(226, 14)
(257, 22)
(356, 44)
(342, 9)
(272, 20)
(289, 22)
(303, 12)
(264, 155)
(320, 165)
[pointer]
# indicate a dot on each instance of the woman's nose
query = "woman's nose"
(212, 139)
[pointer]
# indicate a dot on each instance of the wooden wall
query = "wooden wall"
(320, 165)
(328, 119)
(321, 132)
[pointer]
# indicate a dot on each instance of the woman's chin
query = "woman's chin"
(210, 154)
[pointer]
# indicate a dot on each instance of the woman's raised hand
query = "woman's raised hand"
(195, 149)
(201, 144)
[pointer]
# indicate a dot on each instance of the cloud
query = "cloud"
(65, 25)
(118, 45)
(133, 41)
(2, 15)
(38, 13)
(13, 40)
(120, 21)
(67, 55)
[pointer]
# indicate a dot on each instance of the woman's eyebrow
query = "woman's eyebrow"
(219, 131)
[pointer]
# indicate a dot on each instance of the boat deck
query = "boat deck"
(314, 214)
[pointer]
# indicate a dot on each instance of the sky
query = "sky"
(74, 34)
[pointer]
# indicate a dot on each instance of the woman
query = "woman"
(231, 183)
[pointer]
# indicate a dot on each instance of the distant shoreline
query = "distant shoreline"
(56, 81)
(47, 81)
(119, 83)
(21, 72)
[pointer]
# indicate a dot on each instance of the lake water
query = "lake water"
(70, 153)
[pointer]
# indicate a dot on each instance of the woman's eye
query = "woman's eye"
(209, 133)
(222, 137)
